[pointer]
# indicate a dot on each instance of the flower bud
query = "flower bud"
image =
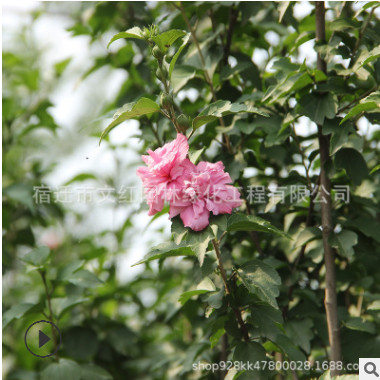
(183, 121)
(166, 101)
(157, 53)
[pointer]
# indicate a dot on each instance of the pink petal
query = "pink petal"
(196, 223)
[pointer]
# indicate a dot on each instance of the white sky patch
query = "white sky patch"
(302, 9)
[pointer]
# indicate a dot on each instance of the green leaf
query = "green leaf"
(63, 370)
(282, 8)
(84, 279)
(317, 107)
(214, 338)
(205, 286)
(353, 163)
(199, 242)
(222, 108)
(251, 352)
(194, 155)
(371, 56)
(131, 111)
(261, 279)
(80, 178)
(38, 257)
(134, 32)
(356, 323)
(22, 193)
(65, 273)
(375, 169)
(370, 103)
(187, 295)
(63, 304)
(179, 231)
(266, 319)
(181, 75)
(300, 333)
(344, 242)
(185, 40)
(94, 372)
(243, 222)
(166, 39)
(288, 347)
(80, 343)
(165, 250)
(16, 312)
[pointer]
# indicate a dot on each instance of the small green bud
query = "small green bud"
(157, 53)
(162, 73)
(166, 101)
(183, 121)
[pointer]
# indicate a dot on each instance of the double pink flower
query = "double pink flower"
(193, 191)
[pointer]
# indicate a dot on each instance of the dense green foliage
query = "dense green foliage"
(252, 99)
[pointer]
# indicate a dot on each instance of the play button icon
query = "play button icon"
(42, 339)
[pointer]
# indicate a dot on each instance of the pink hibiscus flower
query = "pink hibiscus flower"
(164, 166)
(204, 189)
(192, 191)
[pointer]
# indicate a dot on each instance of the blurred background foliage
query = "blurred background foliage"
(61, 85)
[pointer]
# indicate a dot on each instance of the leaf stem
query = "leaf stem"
(50, 313)
(242, 325)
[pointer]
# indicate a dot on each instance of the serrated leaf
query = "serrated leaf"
(317, 107)
(222, 108)
(262, 280)
(370, 103)
(38, 257)
(134, 32)
(242, 222)
(344, 242)
(300, 333)
(132, 110)
(185, 40)
(166, 39)
(180, 76)
(369, 57)
(353, 163)
(164, 250)
(16, 312)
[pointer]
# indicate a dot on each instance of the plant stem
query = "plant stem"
(242, 325)
(50, 314)
(206, 74)
(331, 305)
(361, 33)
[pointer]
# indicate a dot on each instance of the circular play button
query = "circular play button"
(42, 339)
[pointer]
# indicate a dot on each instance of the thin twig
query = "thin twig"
(242, 325)
(50, 314)
(357, 99)
(205, 71)
(361, 33)
(233, 14)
